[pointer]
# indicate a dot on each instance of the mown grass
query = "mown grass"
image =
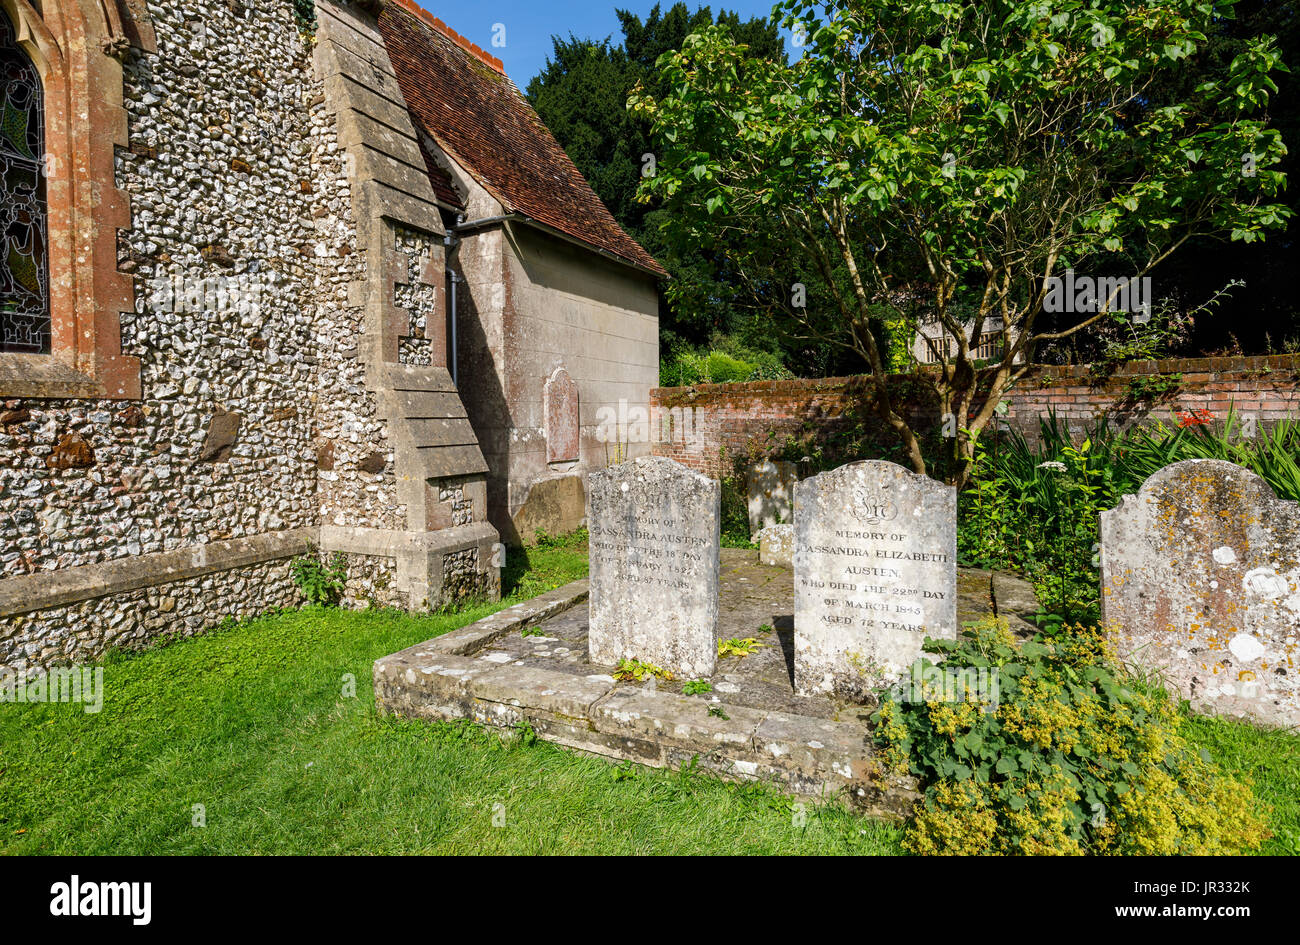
(1269, 760)
(252, 723)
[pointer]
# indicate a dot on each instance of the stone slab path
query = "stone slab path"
(754, 601)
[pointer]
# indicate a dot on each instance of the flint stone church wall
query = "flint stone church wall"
(253, 419)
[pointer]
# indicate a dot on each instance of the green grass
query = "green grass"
(1270, 760)
(251, 723)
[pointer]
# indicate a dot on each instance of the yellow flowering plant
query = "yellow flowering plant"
(1062, 754)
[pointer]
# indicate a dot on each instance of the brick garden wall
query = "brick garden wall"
(1267, 388)
(709, 426)
(724, 421)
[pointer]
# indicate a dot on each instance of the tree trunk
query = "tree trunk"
(900, 426)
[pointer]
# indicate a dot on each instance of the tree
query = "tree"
(1263, 313)
(581, 95)
(953, 160)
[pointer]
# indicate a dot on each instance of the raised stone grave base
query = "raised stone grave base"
(455, 677)
(758, 729)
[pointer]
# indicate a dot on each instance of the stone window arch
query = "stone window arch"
(76, 48)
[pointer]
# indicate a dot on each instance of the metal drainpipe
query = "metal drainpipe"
(452, 346)
(451, 241)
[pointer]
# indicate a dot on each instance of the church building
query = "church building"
(281, 278)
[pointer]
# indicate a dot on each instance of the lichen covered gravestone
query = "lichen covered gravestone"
(875, 573)
(654, 539)
(560, 402)
(770, 500)
(1200, 580)
(776, 545)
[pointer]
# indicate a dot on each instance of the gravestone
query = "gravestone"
(560, 401)
(654, 539)
(770, 494)
(1200, 573)
(776, 545)
(875, 573)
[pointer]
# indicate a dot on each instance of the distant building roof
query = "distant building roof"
(461, 96)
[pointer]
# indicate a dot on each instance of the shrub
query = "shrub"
(631, 670)
(1064, 756)
(726, 360)
(734, 526)
(1036, 507)
(321, 583)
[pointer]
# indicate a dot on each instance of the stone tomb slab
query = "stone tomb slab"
(654, 539)
(1200, 577)
(875, 573)
(528, 663)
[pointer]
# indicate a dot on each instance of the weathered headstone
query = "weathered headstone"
(875, 573)
(1200, 581)
(776, 545)
(771, 493)
(560, 402)
(654, 539)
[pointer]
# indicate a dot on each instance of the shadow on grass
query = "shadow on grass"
(516, 567)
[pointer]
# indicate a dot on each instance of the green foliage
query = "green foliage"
(525, 733)
(543, 539)
(951, 156)
(1067, 757)
(735, 514)
(304, 14)
(635, 671)
(581, 95)
(528, 572)
(532, 632)
(823, 443)
(1165, 332)
(719, 712)
(1036, 507)
(737, 646)
(321, 582)
(1150, 387)
(726, 361)
(696, 687)
(251, 723)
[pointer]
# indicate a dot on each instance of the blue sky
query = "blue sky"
(529, 24)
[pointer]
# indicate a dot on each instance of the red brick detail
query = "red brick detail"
(76, 48)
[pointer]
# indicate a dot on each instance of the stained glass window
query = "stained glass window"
(24, 273)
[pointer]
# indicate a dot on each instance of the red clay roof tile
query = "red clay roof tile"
(462, 97)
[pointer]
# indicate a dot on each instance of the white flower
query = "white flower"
(1052, 465)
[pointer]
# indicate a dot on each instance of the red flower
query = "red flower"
(1195, 418)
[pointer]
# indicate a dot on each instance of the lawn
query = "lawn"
(256, 724)
(251, 723)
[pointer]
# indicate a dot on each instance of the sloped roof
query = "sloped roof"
(461, 96)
